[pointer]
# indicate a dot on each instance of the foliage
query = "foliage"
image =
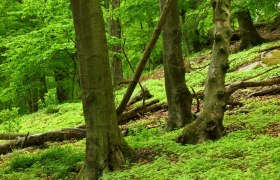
(56, 162)
(9, 120)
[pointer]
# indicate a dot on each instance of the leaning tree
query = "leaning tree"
(209, 124)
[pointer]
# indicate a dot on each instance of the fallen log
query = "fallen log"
(138, 111)
(10, 136)
(142, 94)
(245, 84)
(40, 139)
(270, 91)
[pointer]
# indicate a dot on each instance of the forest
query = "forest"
(139, 89)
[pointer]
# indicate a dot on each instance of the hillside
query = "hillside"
(249, 150)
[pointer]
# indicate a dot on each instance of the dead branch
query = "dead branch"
(40, 139)
(10, 136)
(136, 112)
(245, 84)
(270, 91)
(257, 75)
(143, 94)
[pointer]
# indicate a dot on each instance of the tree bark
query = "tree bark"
(143, 61)
(248, 33)
(270, 91)
(185, 34)
(40, 139)
(178, 96)
(61, 91)
(9, 136)
(115, 31)
(209, 124)
(245, 84)
(105, 147)
(32, 99)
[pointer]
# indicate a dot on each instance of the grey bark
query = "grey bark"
(105, 147)
(209, 124)
(178, 96)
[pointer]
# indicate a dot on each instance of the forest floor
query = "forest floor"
(249, 150)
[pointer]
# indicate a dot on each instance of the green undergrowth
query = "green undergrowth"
(249, 151)
(246, 153)
(56, 162)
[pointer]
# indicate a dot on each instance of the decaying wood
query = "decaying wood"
(40, 139)
(269, 91)
(257, 75)
(246, 84)
(10, 136)
(142, 94)
(138, 111)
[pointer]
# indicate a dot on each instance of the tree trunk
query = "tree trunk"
(105, 147)
(115, 31)
(185, 35)
(32, 100)
(43, 88)
(208, 125)
(143, 61)
(248, 33)
(178, 96)
(61, 91)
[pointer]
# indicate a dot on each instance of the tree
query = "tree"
(248, 33)
(178, 96)
(209, 124)
(36, 41)
(115, 31)
(105, 147)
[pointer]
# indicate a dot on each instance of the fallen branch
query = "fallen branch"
(270, 91)
(140, 67)
(40, 139)
(10, 136)
(138, 111)
(142, 94)
(257, 75)
(245, 84)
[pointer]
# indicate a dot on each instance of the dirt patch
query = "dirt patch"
(158, 74)
(273, 130)
(172, 157)
(144, 155)
(148, 155)
(234, 127)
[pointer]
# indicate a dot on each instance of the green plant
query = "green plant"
(9, 119)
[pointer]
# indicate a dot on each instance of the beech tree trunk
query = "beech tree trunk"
(178, 96)
(115, 31)
(105, 147)
(209, 124)
(248, 33)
